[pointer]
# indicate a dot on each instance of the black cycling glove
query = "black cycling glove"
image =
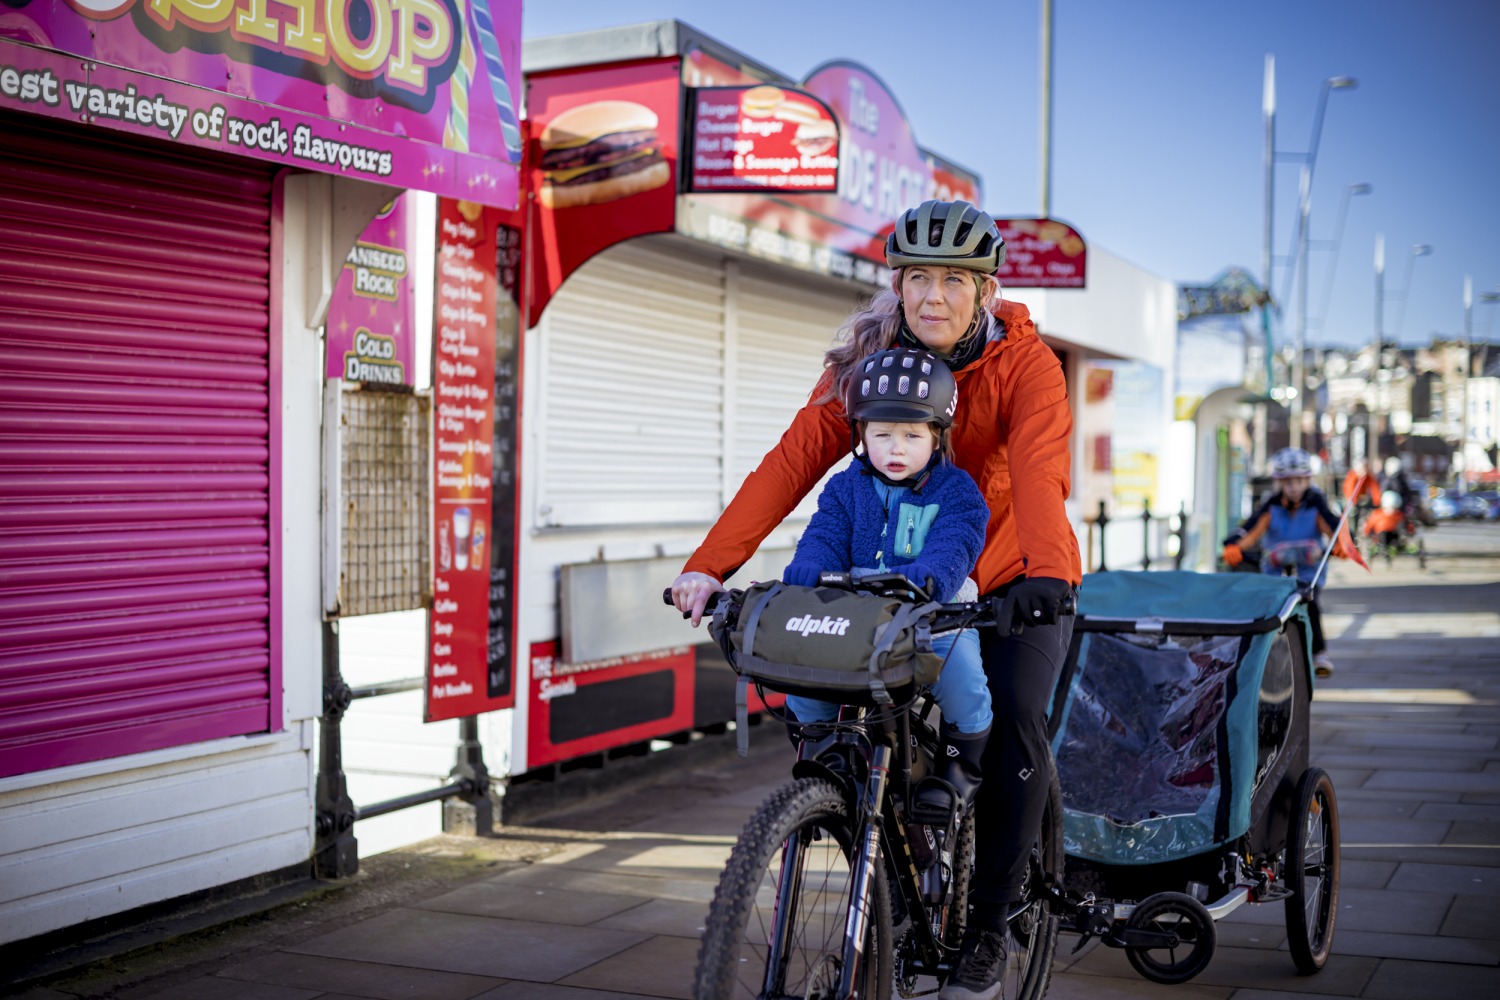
(1036, 600)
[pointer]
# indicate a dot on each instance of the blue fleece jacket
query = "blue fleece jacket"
(862, 523)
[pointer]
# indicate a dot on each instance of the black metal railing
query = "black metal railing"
(1152, 538)
(467, 808)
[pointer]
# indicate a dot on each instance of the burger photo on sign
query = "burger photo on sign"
(600, 151)
(816, 134)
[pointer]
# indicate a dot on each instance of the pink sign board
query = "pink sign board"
(1042, 253)
(411, 93)
(370, 318)
(882, 171)
(762, 138)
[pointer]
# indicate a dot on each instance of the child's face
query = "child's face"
(1294, 486)
(899, 450)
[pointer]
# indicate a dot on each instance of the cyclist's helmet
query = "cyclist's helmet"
(1291, 462)
(1392, 465)
(1390, 500)
(946, 233)
(903, 386)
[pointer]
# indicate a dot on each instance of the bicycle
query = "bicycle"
(831, 891)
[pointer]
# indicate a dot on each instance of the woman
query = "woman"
(1011, 434)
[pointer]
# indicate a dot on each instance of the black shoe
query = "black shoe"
(981, 967)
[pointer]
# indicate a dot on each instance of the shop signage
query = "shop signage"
(762, 138)
(582, 708)
(411, 94)
(1042, 253)
(459, 682)
(882, 172)
(603, 164)
(1233, 291)
(370, 328)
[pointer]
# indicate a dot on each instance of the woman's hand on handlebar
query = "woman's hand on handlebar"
(690, 594)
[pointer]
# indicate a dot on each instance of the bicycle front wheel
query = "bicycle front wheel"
(776, 925)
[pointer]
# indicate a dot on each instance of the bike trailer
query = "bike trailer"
(1181, 704)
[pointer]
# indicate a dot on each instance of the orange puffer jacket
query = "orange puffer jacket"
(1014, 391)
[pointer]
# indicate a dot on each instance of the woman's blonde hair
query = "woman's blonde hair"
(875, 328)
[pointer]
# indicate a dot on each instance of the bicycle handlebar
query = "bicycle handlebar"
(988, 612)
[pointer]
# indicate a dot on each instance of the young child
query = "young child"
(1290, 526)
(903, 506)
(1384, 525)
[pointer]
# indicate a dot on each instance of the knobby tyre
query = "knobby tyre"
(1033, 926)
(776, 930)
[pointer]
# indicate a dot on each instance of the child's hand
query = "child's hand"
(1233, 555)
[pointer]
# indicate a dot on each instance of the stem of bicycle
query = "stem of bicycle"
(866, 862)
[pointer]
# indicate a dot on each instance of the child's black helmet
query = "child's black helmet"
(903, 386)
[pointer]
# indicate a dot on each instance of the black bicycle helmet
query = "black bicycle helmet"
(903, 386)
(947, 234)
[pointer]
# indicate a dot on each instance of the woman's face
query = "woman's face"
(938, 303)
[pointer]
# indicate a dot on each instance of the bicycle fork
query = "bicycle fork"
(866, 870)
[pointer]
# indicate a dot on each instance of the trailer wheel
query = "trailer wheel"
(1182, 920)
(1312, 872)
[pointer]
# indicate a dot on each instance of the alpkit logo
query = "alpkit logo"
(808, 625)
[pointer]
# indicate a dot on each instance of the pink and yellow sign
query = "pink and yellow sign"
(1042, 253)
(411, 93)
(370, 318)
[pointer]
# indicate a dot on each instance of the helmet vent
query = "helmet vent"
(926, 366)
(864, 388)
(884, 385)
(903, 385)
(886, 362)
(922, 389)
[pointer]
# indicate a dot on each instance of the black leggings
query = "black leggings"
(1022, 671)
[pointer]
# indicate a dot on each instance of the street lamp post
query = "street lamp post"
(1463, 420)
(1304, 210)
(1417, 250)
(1372, 451)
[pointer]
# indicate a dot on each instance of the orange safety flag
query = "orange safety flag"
(1343, 542)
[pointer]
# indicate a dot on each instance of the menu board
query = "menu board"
(762, 138)
(500, 655)
(463, 387)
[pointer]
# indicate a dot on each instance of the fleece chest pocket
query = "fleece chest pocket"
(912, 522)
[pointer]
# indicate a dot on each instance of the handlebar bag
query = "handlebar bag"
(830, 643)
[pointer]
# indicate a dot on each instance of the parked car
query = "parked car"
(1443, 507)
(1483, 505)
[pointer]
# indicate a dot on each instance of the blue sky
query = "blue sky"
(1158, 136)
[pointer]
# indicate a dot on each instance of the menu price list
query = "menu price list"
(463, 392)
(500, 653)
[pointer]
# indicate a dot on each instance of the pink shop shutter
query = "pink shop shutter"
(135, 458)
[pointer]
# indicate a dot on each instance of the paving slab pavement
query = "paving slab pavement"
(605, 901)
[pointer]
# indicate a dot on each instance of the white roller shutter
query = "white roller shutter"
(632, 385)
(783, 326)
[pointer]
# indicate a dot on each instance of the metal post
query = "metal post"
(1046, 115)
(1146, 536)
(1102, 521)
(1268, 105)
(1299, 363)
(1181, 532)
(336, 852)
(473, 814)
(1372, 447)
(1463, 424)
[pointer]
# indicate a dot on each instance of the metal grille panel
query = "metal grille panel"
(385, 510)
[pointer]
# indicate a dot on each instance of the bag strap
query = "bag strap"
(742, 716)
(905, 616)
(747, 643)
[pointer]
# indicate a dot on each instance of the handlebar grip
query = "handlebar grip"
(666, 596)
